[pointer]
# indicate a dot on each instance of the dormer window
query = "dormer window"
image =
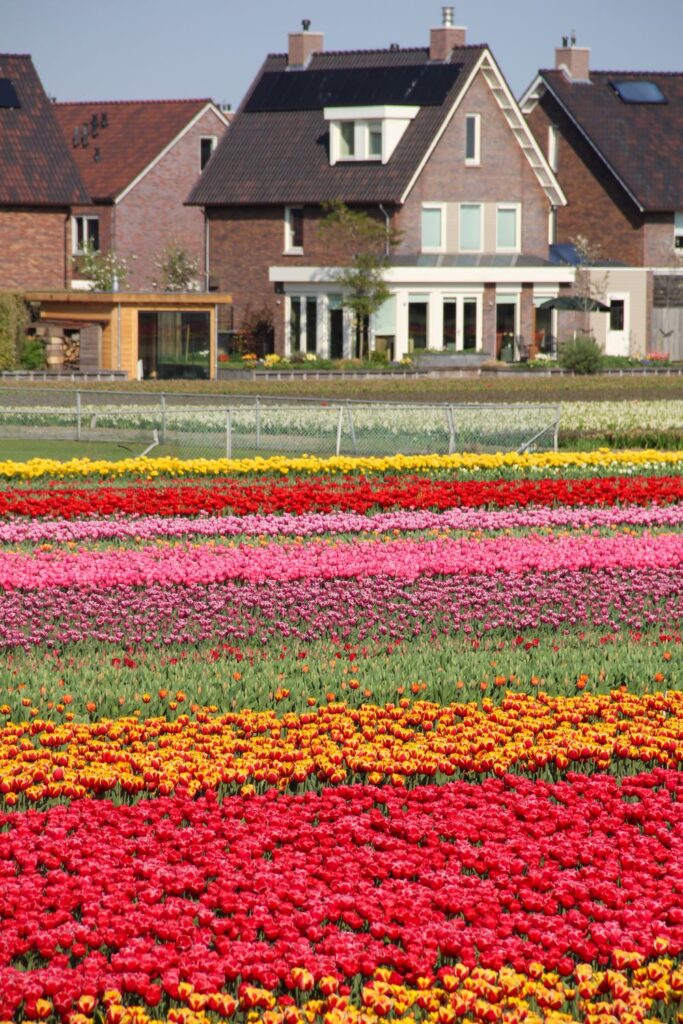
(347, 140)
(366, 133)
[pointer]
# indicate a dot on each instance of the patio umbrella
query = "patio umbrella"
(576, 302)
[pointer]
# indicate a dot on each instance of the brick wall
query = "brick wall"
(105, 216)
(504, 175)
(152, 214)
(597, 207)
(246, 240)
(33, 248)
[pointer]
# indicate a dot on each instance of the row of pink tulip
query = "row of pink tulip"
(404, 559)
(312, 523)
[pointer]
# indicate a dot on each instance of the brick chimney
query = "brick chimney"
(573, 60)
(442, 40)
(302, 45)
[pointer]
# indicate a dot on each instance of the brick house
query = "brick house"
(428, 140)
(39, 182)
(139, 160)
(614, 140)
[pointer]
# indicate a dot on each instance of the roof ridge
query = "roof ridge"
(25, 56)
(120, 103)
(383, 49)
(614, 71)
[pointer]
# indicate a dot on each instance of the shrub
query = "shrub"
(32, 356)
(582, 355)
(13, 321)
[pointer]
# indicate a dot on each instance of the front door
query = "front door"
(617, 341)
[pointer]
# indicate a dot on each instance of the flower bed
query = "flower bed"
(293, 740)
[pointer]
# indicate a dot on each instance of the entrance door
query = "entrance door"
(336, 332)
(505, 331)
(617, 326)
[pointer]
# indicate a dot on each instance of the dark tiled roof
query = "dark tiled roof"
(136, 132)
(641, 142)
(36, 168)
(281, 156)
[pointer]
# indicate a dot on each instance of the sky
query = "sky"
(173, 49)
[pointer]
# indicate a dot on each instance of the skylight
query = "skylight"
(638, 91)
(8, 94)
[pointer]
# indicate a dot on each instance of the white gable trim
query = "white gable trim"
(190, 124)
(513, 115)
(529, 99)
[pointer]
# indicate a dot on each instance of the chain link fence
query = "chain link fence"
(210, 426)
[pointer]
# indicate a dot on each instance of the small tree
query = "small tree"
(107, 271)
(368, 244)
(13, 321)
(178, 270)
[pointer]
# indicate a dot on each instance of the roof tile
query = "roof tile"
(641, 142)
(36, 168)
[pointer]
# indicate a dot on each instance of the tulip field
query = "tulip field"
(307, 741)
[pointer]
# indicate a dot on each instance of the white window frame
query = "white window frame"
(361, 141)
(517, 207)
(481, 227)
(678, 230)
(213, 139)
(441, 207)
(76, 251)
(291, 249)
(473, 161)
(553, 146)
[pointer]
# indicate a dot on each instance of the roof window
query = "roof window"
(638, 91)
(8, 95)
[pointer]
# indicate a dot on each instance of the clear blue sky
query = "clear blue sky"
(164, 49)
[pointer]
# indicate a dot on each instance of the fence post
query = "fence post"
(79, 436)
(228, 434)
(257, 412)
(351, 428)
(340, 424)
(163, 419)
(556, 432)
(450, 416)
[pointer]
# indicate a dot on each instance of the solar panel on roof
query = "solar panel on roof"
(8, 94)
(422, 85)
(638, 91)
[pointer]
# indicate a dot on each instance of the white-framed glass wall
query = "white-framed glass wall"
(438, 319)
(316, 323)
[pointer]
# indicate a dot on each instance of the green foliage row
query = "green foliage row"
(120, 682)
(13, 321)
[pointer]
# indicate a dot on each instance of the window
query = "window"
(347, 140)
(470, 227)
(86, 231)
(417, 323)
(450, 324)
(311, 325)
(295, 319)
(638, 91)
(678, 231)
(472, 139)
(432, 228)
(616, 315)
(207, 144)
(375, 140)
(294, 229)
(507, 227)
(553, 140)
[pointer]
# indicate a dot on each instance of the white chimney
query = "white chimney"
(442, 40)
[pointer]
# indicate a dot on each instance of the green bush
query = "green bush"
(32, 355)
(582, 355)
(13, 321)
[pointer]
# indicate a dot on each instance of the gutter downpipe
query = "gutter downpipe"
(386, 231)
(118, 336)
